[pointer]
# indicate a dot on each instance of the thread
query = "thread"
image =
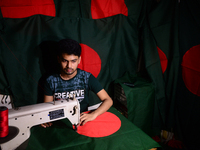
(3, 121)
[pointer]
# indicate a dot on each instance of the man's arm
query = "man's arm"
(106, 104)
(47, 99)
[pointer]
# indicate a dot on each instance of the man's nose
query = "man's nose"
(68, 64)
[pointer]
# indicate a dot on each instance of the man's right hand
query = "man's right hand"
(48, 124)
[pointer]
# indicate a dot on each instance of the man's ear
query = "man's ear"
(79, 59)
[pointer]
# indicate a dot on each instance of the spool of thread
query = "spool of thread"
(3, 121)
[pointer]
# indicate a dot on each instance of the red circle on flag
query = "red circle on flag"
(163, 59)
(90, 60)
(103, 8)
(104, 125)
(24, 8)
(191, 69)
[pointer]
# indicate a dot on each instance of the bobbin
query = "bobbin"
(3, 121)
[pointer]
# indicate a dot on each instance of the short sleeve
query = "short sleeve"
(94, 84)
(47, 90)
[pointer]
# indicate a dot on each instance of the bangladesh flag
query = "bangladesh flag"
(161, 50)
(188, 99)
(30, 30)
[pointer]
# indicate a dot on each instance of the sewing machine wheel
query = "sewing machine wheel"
(13, 131)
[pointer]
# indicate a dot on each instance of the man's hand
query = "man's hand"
(47, 99)
(85, 117)
(48, 124)
(105, 105)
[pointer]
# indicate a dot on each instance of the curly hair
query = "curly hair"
(69, 46)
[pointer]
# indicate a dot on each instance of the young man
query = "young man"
(72, 80)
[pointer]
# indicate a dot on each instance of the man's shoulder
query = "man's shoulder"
(83, 73)
(52, 77)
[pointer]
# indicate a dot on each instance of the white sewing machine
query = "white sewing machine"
(22, 119)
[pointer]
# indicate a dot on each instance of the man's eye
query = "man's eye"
(73, 61)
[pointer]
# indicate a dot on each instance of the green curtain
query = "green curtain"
(162, 31)
(188, 103)
(24, 46)
(124, 44)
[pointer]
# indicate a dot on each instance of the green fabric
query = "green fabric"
(140, 101)
(62, 136)
(23, 42)
(163, 24)
(153, 68)
(188, 104)
(27, 52)
(26, 65)
(3, 79)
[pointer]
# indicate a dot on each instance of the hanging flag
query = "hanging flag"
(188, 99)
(108, 42)
(163, 23)
(23, 8)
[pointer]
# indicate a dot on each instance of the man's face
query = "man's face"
(69, 63)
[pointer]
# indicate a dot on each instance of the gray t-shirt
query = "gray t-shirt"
(78, 85)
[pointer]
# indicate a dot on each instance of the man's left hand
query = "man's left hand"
(85, 117)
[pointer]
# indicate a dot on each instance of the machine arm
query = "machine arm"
(25, 117)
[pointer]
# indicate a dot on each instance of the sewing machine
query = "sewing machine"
(22, 119)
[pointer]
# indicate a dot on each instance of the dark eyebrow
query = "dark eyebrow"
(74, 59)
(64, 59)
(68, 60)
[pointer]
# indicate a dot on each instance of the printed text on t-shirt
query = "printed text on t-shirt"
(65, 95)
